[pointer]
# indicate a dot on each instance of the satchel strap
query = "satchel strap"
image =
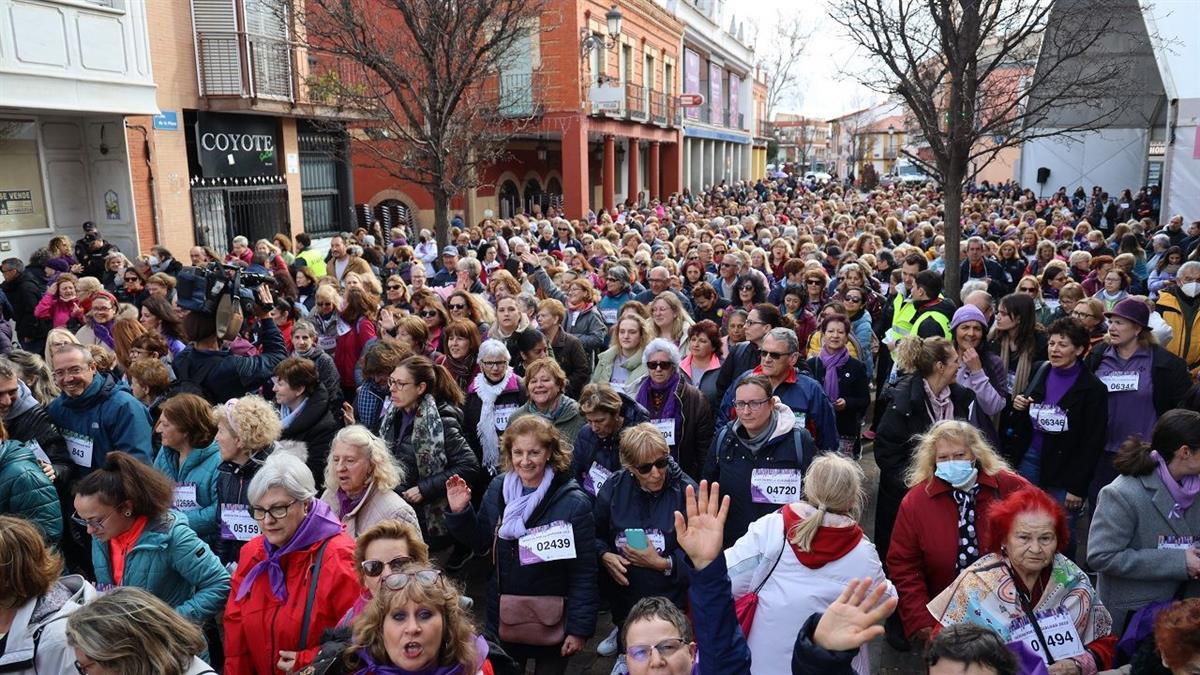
(312, 594)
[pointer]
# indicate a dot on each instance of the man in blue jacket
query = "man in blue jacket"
(95, 413)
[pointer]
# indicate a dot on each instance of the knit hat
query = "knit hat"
(58, 265)
(1131, 309)
(965, 314)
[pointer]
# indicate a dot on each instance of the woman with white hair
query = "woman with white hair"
(293, 581)
(360, 478)
(677, 408)
(494, 394)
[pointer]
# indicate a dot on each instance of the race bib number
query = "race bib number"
(1061, 636)
(237, 523)
(1051, 303)
(846, 445)
(38, 453)
(555, 541)
(775, 486)
(80, 447)
(327, 342)
(342, 327)
(1118, 382)
(595, 478)
(1048, 418)
(656, 538)
(503, 412)
(185, 497)
(667, 428)
(1174, 542)
(610, 316)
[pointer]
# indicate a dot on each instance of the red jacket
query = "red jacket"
(350, 346)
(259, 627)
(922, 559)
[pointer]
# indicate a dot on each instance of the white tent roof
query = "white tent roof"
(1172, 24)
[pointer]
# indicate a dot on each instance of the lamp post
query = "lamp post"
(588, 41)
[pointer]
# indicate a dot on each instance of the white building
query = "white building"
(70, 70)
(718, 63)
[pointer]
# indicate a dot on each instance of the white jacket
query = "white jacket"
(40, 627)
(792, 592)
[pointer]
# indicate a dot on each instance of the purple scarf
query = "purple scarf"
(370, 667)
(833, 361)
(669, 408)
(346, 503)
(103, 332)
(318, 525)
(519, 507)
(1183, 493)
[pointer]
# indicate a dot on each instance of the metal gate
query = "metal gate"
(324, 184)
(222, 212)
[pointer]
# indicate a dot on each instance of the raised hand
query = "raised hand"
(458, 493)
(703, 533)
(854, 618)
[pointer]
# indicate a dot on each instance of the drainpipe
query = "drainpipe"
(149, 152)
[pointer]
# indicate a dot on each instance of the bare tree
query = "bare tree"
(979, 76)
(445, 84)
(782, 57)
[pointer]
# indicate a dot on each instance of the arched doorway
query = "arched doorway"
(509, 199)
(533, 195)
(554, 195)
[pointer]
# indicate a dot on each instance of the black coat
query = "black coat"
(459, 458)
(743, 357)
(24, 292)
(35, 425)
(694, 428)
(904, 419)
(471, 414)
(316, 426)
(854, 385)
(573, 579)
(1068, 458)
(571, 357)
(1169, 378)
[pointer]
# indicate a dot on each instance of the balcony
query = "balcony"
(515, 95)
(765, 129)
(636, 105)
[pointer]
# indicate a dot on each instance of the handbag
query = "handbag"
(535, 620)
(746, 606)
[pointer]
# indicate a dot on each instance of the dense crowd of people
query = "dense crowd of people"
(282, 459)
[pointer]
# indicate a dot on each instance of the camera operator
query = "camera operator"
(219, 374)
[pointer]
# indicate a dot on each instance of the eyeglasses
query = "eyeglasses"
(428, 313)
(393, 383)
(133, 279)
(725, 264)
(666, 649)
(82, 669)
(660, 464)
(754, 322)
(94, 524)
(456, 308)
(1082, 315)
(73, 371)
(814, 282)
(612, 279)
(659, 365)
(493, 364)
(764, 354)
(395, 582)
(276, 512)
(373, 568)
(751, 405)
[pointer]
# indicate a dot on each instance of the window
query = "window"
(22, 197)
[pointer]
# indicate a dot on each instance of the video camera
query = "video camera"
(227, 292)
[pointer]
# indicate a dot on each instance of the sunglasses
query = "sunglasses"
(392, 287)
(773, 355)
(395, 582)
(428, 313)
(456, 308)
(373, 568)
(659, 365)
(660, 464)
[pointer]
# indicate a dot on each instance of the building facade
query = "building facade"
(70, 72)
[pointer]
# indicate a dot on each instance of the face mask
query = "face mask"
(957, 472)
(152, 260)
(1191, 289)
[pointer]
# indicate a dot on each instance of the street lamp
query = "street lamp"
(589, 41)
(541, 151)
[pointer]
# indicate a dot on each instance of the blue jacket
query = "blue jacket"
(622, 504)
(610, 306)
(171, 562)
(199, 470)
(603, 451)
(108, 415)
(25, 491)
(804, 396)
(573, 579)
(732, 463)
(223, 375)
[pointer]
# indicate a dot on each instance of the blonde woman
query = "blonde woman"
(131, 632)
(59, 337)
(621, 364)
(954, 478)
(247, 431)
(799, 558)
(361, 477)
(671, 320)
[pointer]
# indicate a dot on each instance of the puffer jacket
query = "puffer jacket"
(199, 471)
(693, 425)
(233, 484)
(58, 312)
(224, 375)
(171, 562)
(603, 452)
(622, 504)
(25, 491)
(37, 640)
(28, 421)
(315, 426)
(259, 625)
(108, 415)
(606, 363)
(573, 579)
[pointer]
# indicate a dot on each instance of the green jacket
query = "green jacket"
(171, 562)
(25, 491)
(200, 470)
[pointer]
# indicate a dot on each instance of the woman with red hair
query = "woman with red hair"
(1027, 591)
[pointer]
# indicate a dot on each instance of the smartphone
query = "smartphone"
(636, 538)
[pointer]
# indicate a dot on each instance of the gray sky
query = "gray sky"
(827, 88)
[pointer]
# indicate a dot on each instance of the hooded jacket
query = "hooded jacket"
(732, 462)
(37, 640)
(198, 471)
(315, 425)
(604, 452)
(25, 491)
(25, 292)
(27, 421)
(169, 561)
(108, 415)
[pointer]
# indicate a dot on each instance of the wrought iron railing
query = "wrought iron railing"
(635, 102)
(515, 95)
(245, 65)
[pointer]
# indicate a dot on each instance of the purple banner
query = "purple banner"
(691, 80)
(735, 85)
(715, 100)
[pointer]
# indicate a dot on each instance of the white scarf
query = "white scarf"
(488, 393)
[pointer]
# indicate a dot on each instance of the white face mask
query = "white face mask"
(152, 260)
(1191, 289)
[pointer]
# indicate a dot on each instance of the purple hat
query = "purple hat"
(967, 313)
(1131, 310)
(58, 265)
